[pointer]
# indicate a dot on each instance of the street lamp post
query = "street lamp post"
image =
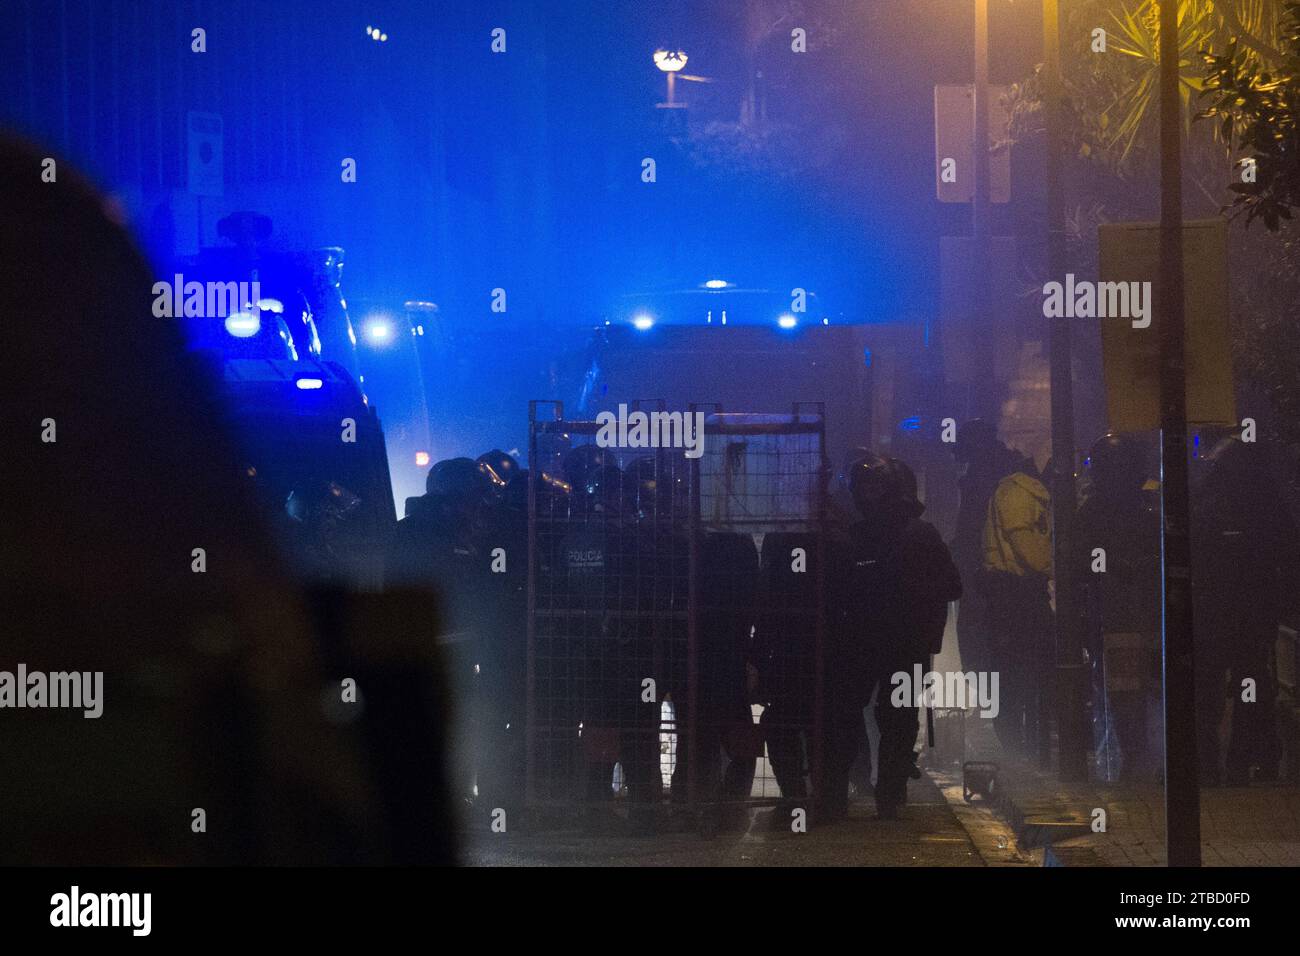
(984, 395)
(1182, 783)
(671, 62)
(1071, 673)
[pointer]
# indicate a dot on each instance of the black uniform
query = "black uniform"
(889, 604)
(501, 565)
(1246, 564)
(728, 582)
(892, 595)
(1123, 609)
(784, 652)
(595, 647)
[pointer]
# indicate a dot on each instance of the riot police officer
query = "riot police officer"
(1123, 606)
(890, 592)
(784, 651)
(1246, 567)
(501, 563)
(599, 644)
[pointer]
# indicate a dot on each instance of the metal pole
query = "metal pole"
(693, 568)
(984, 391)
(1071, 674)
(1182, 785)
(530, 633)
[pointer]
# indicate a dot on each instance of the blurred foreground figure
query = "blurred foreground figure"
(1123, 603)
(1247, 567)
(136, 551)
(889, 603)
(437, 548)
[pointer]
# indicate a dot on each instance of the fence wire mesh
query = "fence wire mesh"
(675, 614)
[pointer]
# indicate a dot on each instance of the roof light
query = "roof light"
(309, 384)
(787, 321)
(243, 325)
(716, 284)
(643, 322)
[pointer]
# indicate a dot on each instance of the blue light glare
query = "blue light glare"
(643, 322)
(910, 424)
(379, 331)
(243, 325)
(787, 321)
(716, 284)
(309, 384)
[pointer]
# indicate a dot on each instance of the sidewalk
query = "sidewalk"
(1243, 826)
(933, 832)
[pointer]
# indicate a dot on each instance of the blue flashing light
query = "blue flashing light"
(787, 321)
(309, 384)
(243, 325)
(643, 322)
(716, 284)
(910, 424)
(866, 357)
(379, 331)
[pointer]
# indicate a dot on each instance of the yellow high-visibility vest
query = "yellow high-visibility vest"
(1018, 527)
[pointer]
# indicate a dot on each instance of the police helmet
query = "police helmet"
(457, 478)
(881, 485)
(498, 467)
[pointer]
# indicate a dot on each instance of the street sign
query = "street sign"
(954, 144)
(1130, 251)
(205, 167)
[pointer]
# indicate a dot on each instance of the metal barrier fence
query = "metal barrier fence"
(675, 613)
